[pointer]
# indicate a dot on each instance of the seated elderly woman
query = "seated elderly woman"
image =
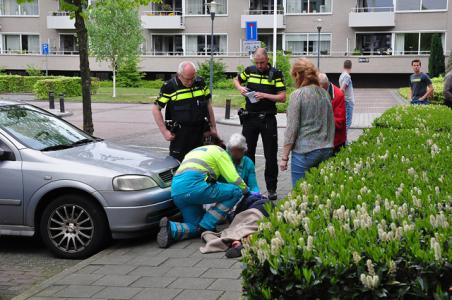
(244, 165)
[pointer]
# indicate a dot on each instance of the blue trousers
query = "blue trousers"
(190, 191)
(420, 102)
(301, 163)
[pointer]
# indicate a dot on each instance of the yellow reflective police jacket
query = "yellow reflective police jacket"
(214, 162)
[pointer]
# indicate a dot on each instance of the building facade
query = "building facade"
(379, 36)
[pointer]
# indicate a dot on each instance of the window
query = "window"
(11, 8)
(418, 5)
(200, 7)
(200, 44)
(167, 45)
(374, 43)
(307, 43)
(20, 43)
(168, 7)
(267, 39)
(68, 44)
(375, 5)
(308, 6)
(414, 43)
(265, 7)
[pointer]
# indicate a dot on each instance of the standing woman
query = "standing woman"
(310, 122)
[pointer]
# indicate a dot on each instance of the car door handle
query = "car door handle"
(10, 202)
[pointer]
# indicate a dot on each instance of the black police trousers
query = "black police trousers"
(187, 139)
(267, 127)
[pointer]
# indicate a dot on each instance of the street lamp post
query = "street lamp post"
(319, 28)
(213, 9)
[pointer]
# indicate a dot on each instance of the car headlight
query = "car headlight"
(133, 183)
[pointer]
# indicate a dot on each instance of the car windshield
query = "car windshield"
(39, 130)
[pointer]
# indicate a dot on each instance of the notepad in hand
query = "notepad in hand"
(252, 97)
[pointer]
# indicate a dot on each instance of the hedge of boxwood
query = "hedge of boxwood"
(373, 222)
(42, 85)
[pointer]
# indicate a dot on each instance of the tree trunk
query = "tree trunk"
(85, 73)
(114, 79)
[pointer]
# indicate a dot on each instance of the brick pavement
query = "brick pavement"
(138, 269)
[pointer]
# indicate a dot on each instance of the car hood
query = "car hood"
(122, 159)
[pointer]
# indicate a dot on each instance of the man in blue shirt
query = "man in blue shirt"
(421, 87)
(237, 148)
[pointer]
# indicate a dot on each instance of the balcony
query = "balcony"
(372, 17)
(162, 20)
(60, 20)
(264, 19)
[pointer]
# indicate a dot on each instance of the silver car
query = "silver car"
(74, 190)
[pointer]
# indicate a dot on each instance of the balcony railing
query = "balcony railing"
(371, 17)
(58, 13)
(372, 9)
(162, 20)
(262, 12)
(264, 18)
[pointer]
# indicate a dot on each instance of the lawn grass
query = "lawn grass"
(148, 95)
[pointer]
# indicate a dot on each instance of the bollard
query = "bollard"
(62, 102)
(227, 113)
(51, 100)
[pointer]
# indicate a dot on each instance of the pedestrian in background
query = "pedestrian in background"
(346, 85)
(338, 103)
(421, 87)
(448, 89)
(310, 122)
(188, 115)
(263, 86)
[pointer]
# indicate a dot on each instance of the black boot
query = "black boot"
(164, 237)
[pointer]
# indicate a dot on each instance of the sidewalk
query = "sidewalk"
(138, 269)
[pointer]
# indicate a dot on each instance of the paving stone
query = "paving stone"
(226, 285)
(191, 283)
(89, 269)
(237, 265)
(115, 269)
(80, 279)
(215, 263)
(118, 293)
(222, 273)
(79, 291)
(113, 259)
(51, 290)
(116, 280)
(176, 253)
(209, 255)
(150, 271)
(157, 282)
(186, 272)
(157, 294)
(181, 262)
(231, 296)
(148, 261)
(198, 295)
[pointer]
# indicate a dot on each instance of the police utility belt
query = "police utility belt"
(245, 115)
(174, 126)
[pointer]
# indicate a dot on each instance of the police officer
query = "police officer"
(189, 114)
(196, 183)
(268, 86)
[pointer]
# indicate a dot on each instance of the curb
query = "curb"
(48, 282)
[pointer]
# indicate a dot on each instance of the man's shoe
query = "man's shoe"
(272, 196)
(164, 237)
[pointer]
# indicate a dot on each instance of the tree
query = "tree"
(219, 70)
(128, 74)
(436, 61)
(79, 10)
(114, 29)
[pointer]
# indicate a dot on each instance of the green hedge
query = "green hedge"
(438, 94)
(20, 84)
(70, 86)
(373, 222)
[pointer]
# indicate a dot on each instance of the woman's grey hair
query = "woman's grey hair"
(237, 141)
(183, 64)
(323, 79)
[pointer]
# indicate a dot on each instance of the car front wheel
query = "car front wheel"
(73, 226)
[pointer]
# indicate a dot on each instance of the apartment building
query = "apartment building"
(381, 37)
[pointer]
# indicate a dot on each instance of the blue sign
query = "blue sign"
(45, 48)
(251, 31)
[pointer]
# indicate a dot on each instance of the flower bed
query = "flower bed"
(373, 222)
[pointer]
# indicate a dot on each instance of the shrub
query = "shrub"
(283, 64)
(373, 222)
(152, 84)
(128, 74)
(33, 71)
(19, 84)
(70, 86)
(449, 62)
(436, 65)
(224, 84)
(219, 69)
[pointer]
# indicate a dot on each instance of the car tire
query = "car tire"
(74, 226)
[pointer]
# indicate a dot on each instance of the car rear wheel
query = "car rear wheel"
(73, 226)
